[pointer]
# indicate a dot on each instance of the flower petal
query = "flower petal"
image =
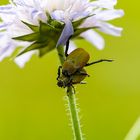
(106, 15)
(94, 38)
(109, 4)
(66, 11)
(23, 59)
(6, 7)
(4, 26)
(6, 52)
(72, 47)
(6, 47)
(66, 33)
(110, 29)
(58, 15)
(6, 13)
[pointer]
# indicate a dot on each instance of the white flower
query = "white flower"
(75, 18)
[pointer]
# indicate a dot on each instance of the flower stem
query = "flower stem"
(71, 103)
(74, 115)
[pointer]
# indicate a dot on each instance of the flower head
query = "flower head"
(39, 26)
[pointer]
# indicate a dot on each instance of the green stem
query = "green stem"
(74, 115)
(71, 103)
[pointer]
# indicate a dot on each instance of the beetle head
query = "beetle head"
(65, 73)
(60, 83)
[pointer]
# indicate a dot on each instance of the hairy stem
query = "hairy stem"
(74, 115)
(71, 103)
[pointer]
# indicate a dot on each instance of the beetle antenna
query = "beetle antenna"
(99, 61)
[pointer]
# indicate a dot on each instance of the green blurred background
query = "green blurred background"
(32, 106)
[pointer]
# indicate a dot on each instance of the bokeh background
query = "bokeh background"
(32, 106)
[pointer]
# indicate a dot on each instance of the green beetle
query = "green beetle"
(73, 71)
(76, 78)
(75, 61)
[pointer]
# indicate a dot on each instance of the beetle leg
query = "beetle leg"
(67, 46)
(83, 83)
(59, 72)
(70, 85)
(73, 88)
(99, 61)
(83, 73)
(68, 90)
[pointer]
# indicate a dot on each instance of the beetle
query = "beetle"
(76, 60)
(68, 81)
(72, 71)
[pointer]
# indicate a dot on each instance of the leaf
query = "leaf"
(45, 39)
(45, 50)
(48, 32)
(33, 46)
(56, 24)
(46, 28)
(80, 21)
(32, 27)
(50, 46)
(49, 18)
(81, 30)
(28, 37)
